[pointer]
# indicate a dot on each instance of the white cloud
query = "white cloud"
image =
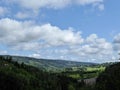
(101, 7)
(3, 11)
(3, 52)
(117, 38)
(22, 15)
(28, 46)
(116, 42)
(35, 55)
(55, 4)
(14, 32)
(93, 46)
(85, 2)
(32, 8)
(52, 42)
(98, 45)
(36, 4)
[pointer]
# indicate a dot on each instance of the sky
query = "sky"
(76, 30)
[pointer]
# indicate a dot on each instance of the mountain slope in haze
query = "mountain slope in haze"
(48, 63)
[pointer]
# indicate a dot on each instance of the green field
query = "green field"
(86, 72)
(95, 68)
(76, 76)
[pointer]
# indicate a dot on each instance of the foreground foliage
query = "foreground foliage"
(110, 78)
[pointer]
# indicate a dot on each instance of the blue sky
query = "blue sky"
(78, 30)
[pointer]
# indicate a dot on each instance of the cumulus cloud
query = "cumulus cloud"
(55, 4)
(32, 8)
(101, 7)
(22, 15)
(98, 45)
(3, 10)
(35, 55)
(13, 32)
(36, 4)
(116, 42)
(93, 48)
(117, 39)
(3, 52)
(84, 2)
(50, 41)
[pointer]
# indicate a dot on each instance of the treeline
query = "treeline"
(18, 76)
(110, 78)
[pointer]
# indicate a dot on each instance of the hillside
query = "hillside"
(19, 76)
(15, 76)
(110, 78)
(48, 63)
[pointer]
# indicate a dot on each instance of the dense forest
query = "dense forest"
(19, 76)
(110, 78)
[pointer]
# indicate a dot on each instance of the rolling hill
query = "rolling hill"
(49, 64)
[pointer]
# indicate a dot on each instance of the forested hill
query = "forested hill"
(19, 76)
(49, 64)
(110, 78)
(15, 76)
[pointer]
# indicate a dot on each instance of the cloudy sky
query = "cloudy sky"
(78, 30)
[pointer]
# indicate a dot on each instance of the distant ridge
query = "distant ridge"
(49, 63)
